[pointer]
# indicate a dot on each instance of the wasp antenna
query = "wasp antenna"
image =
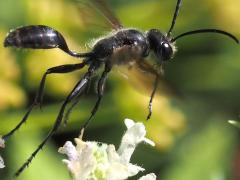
(179, 3)
(207, 31)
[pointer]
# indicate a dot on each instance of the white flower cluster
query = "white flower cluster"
(100, 161)
(2, 145)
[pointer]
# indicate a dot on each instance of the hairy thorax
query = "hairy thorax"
(123, 47)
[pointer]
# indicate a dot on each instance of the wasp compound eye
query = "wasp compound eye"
(165, 51)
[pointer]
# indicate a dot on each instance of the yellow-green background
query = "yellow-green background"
(193, 139)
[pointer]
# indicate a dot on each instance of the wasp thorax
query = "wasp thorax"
(160, 44)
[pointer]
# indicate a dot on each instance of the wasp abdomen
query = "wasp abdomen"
(36, 37)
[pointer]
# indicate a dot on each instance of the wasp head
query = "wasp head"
(161, 45)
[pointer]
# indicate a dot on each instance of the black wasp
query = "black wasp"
(125, 46)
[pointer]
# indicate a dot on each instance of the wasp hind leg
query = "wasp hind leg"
(38, 98)
(67, 114)
(79, 87)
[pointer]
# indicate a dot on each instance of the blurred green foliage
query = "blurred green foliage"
(194, 140)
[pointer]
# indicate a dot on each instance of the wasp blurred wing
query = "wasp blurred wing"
(141, 75)
(90, 10)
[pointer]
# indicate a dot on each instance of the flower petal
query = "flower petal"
(149, 141)
(129, 123)
(69, 149)
(150, 176)
(134, 135)
(81, 162)
(1, 163)
(2, 142)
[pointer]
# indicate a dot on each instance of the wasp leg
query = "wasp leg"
(79, 87)
(58, 69)
(38, 98)
(67, 114)
(100, 90)
(152, 96)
